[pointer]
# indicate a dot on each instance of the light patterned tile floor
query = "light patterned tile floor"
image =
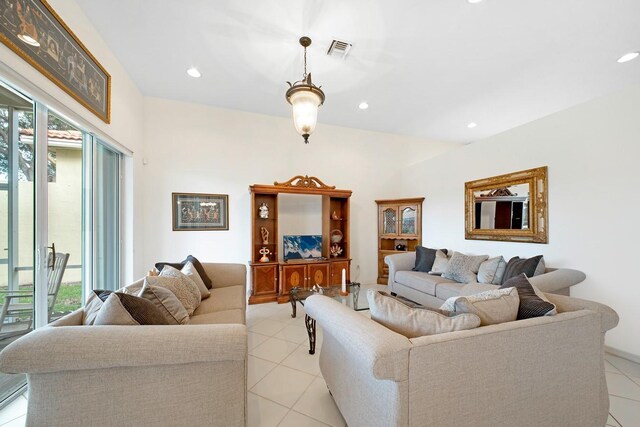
(286, 387)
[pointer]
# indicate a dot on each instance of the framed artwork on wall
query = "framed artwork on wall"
(34, 31)
(200, 212)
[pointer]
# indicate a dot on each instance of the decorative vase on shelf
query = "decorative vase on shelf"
(264, 252)
(263, 211)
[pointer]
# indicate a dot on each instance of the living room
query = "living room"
(541, 83)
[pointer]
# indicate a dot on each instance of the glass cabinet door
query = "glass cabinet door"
(408, 221)
(389, 219)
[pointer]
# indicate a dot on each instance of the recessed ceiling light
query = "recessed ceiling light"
(473, 1)
(363, 106)
(628, 57)
(193, 72)
(472, 125)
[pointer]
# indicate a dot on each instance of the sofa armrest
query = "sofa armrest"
(223, 275)
(70, 348)
(385, 352)
(399, 262)
(556, 280)
(608, 316)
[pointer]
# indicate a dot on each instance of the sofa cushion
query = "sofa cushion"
(447, 290)
(166, 301)
(529, 266)
(190, 271)
(493, 307)
(219, 317)
(228, 298)
(420, 281)
(415, 322)
(492, 270)
(464, 268)
(425, 258)
(125, 309)
(531, 304)
(191, 294)
(178, 265)
(476, 288)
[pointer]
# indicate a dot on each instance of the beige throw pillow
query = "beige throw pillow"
(440, 263)
(492, 270)
(188, 295)
(170, 306)
(415, 322)
(190, 271)
(128, 310)
(493, 307)
(91, 309)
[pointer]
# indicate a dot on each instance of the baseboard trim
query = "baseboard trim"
(625, 355)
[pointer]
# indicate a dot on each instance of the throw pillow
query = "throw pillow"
(415, 322)
(169, 271)
(492, 307)
(531, 305)
(517, 266)
(184, 294)
(93, 306)
(165, 300)
(425, 258)
(125, 309)
(196, 264)
(492, 270)
(463, 268)
(440, 263)
(190, 271)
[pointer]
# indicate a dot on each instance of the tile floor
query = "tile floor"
(286, 388)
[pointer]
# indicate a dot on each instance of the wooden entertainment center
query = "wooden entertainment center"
(271, 280)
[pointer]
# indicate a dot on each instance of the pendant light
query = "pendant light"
(305, 98)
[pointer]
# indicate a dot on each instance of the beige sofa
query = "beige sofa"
(181, 375)
(545, 371)
(432, 290)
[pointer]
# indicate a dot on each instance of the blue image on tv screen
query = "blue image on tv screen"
(302, 247)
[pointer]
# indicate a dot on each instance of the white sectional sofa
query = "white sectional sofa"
(432, 290)
(194, 374)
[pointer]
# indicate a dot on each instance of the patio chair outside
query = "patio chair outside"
(12, 306)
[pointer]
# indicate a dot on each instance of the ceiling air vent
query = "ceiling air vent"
(339, 49)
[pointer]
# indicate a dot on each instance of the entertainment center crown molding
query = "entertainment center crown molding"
(272, 280)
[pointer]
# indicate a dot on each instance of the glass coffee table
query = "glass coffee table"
(356, 299)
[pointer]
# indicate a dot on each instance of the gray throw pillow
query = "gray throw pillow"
(166, 302)
(425, 258)
(125, 309)
(415, 322)
(492, 270)
(464, 268)
(531, 303)
(529, 266)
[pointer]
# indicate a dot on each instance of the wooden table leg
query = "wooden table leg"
(311, 331)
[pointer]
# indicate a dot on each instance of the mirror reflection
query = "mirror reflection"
(502, 208)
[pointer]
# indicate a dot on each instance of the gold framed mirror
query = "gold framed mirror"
(510, 207)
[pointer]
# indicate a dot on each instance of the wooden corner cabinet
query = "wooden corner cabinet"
(399, 230)
(272, 279)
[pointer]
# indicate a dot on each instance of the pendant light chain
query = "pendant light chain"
(304, 76)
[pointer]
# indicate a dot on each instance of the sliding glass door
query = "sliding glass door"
(17, 186)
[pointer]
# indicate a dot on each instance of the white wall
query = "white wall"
(126, 111)
(592, 151)
(298, 214)
(195, 148)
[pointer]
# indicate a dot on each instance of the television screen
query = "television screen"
(302, 247)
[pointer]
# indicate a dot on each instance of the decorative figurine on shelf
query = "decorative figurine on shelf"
(265, 235)
(264, 252)
(401, 247)
(335, 216)
(264, 210)
(335, 250)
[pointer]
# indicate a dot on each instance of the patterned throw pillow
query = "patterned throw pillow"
(199, 268)
(440, 263)
(464, 268)
(492, 270)
(125, 309)
(188, 295)
(532, 303)
(492, 307)
(415, 322)
(166, 302)
(530, 267)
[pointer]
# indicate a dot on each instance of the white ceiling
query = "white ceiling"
(427, 68)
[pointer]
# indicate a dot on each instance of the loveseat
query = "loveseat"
(432, 290)
(177, 375)
(544, 371)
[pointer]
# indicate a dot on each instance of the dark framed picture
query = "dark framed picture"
(200, 212)
(34, 31)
